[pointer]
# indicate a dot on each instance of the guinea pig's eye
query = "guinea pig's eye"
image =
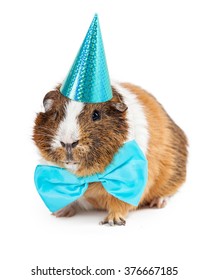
(95, 115)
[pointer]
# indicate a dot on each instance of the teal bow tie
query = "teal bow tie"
(125, 178)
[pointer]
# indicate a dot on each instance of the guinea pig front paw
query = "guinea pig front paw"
(67, 211)
(114, 219)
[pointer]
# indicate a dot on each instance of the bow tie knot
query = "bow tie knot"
(90, 179)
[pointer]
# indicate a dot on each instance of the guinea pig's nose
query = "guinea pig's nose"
(68, 145)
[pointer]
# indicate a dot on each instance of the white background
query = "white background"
(159, 45)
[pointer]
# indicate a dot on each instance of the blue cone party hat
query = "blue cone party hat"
(88, 79)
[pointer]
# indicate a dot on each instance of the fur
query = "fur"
(167, 150)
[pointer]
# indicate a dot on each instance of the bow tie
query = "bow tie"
(124, 178)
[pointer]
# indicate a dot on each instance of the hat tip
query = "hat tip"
(95, 17)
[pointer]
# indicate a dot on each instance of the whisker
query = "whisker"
(44, 134)
(47, 148)
(50, 154)
(44, 142)
(47, 129)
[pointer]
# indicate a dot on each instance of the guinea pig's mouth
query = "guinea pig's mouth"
(70, 162)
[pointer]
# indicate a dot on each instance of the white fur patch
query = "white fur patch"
(68, 130)
(136, 117)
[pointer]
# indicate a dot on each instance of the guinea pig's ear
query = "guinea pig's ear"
(120, 106)
(117, 102)
(49, 99)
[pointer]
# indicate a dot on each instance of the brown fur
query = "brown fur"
(167, 149)
(102, 138)
(99, 141)
(46, 125)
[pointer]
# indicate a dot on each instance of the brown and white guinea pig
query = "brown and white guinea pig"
(84, 138)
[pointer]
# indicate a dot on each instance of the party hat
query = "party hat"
(88, 79)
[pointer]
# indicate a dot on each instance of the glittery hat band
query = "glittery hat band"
(88, 79)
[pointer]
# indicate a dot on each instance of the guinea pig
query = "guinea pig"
(84, 137)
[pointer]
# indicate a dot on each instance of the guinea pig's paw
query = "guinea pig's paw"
(67, 211)
(159, 202)
(114, 219)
